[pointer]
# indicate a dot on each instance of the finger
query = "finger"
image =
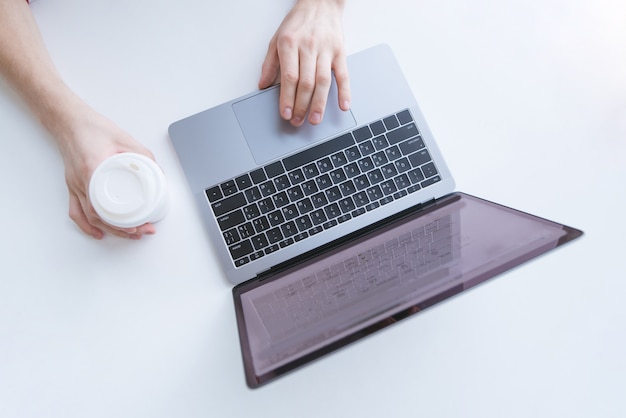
(342, 77)
(323, 79)
(132, 233)
(306, 86)
(78, 216)
(146, 229)
(270, 67)
(95, 221)
(289, 77)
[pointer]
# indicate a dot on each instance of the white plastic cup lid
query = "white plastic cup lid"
(128, 190)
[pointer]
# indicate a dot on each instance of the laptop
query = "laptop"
(334, 231)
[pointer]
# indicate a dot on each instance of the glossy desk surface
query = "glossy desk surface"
(528, 103)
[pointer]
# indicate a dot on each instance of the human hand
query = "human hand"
(93, 139)
(85, 137)
(306, 49)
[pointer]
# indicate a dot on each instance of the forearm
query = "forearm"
(27, 66)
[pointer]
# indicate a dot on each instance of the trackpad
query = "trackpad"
(270, 137)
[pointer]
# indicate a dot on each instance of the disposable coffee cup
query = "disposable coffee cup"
(128, 190)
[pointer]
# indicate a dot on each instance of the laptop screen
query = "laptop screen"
(374, 278)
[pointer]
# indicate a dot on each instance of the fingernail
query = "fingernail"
(287, 113)
(297, 120)
(345, 105)
(316, 118)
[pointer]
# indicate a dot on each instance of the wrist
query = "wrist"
(338, 4)
(59, 110)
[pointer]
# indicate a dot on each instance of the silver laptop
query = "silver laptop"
(269, 192)
(334, 231)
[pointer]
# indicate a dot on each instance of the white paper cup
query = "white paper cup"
(128, 190)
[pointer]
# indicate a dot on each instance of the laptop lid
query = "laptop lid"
(380, 275)
(242, 137)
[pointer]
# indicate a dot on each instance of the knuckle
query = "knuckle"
(342, 77)
(309, 42)
(291, 76)
(323, 79)
(307, 83)
(285, 40)
(74, 214)
(91, 215)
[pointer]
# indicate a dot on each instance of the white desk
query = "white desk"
(528, 103)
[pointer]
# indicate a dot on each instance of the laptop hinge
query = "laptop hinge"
(351, 236)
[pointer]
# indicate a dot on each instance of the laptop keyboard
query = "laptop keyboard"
(362, 285)
(289, 200)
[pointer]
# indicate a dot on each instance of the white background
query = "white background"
(527, 100)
